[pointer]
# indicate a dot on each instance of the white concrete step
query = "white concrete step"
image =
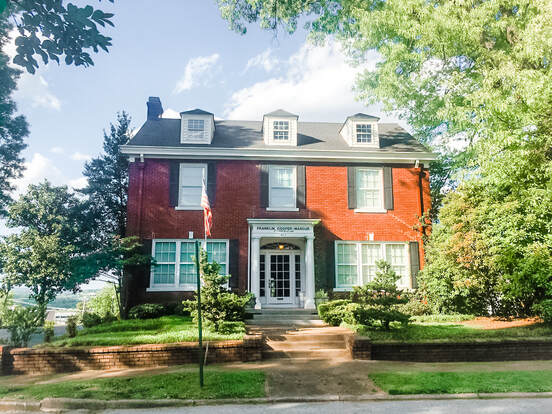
(277, 316)
(304, 346)
(287, 322)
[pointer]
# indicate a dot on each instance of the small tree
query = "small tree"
(379, 300)
(218, 305)
(22, 323)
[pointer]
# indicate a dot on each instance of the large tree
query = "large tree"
(46, 254)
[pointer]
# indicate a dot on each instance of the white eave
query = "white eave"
(205, 153)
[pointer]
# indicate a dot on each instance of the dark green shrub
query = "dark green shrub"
(231, 327)
(71, 326)
(544, 310)
(334, 312)
(218, 305)
(380, 299)
(48, 331)
(416, 306)
(91, 319)
(175, 308)
(147, 311)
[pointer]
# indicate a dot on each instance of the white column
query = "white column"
(309, 279)
(255, 270)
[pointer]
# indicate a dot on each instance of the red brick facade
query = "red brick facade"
(238, 198)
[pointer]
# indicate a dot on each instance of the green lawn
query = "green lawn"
(463, 382)
(453, 333)
(182, 385)
(166, 329)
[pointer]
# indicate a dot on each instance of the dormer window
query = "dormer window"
(196, 125)
(281, 130)
(363, 133)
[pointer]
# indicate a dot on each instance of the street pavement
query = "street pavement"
(490, 406)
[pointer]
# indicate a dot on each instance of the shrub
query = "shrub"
(544, 310)
(104, 304)
(71, 326)
(147, 311)
(48, 331)
(90, 319)
(23, 323)
(218, 305)
(380, 299)
(416, 306)
(334, 312)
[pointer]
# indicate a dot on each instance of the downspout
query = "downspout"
(421, 188)
(248, 257)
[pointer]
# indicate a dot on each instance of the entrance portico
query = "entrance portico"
(282, 262)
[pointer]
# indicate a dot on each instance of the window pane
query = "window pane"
(368, 188)
(163, 274)
(187, 274)
(371, 253)
(191, 178)
(216, 251)
(281, 130)
(396, 256)
(197, 125)
(282, 176)
(187, 252)
(190, 196)
(165, 252)
(282, 186)
(364, 133)
(347, 272)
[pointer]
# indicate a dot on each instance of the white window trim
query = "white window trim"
(379, 209)
(274, 130)
(375, 134)
(359, 261)
(177, 287)
(193, 120)
(294, 181)
(185, 164)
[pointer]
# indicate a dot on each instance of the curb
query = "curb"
(60, 405)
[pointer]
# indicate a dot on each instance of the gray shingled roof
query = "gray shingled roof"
(281, 112)
(248, 134)
(196, 111)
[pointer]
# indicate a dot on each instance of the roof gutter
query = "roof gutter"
(205, 153)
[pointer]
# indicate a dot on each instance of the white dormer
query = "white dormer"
(361, 130)
(197, 127)
(280, 128)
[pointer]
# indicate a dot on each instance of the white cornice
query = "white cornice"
(273, 154)
(283, 221)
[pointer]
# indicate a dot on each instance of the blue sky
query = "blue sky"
(183, 52)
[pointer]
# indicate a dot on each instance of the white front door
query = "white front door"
(280, 277)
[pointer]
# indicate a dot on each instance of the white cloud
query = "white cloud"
(197, 72)
(31, 88)
(37, 170)
(78, 156)
(170, 113)
(263, 60)
(317, 85)
(78, 183)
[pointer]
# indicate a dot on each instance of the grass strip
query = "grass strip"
(167, 329)
(463, 382)
(181, 385)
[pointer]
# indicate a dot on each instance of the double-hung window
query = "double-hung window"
(355, 262)
(190, 183)
(369, 188)
(282, 186)
(363, 133)
(281, 130)
(174, 267)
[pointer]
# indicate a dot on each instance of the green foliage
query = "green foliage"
(380, 299)
(104, 305)
(71, 326)
(544, 310)
(53, 29)
(416, 306)
(43, 256)
(22, 323)
(146, 311)
(89, 319)
(321, 294)
(218, 305)
(48, 331)
(6, 304)
(334, 312)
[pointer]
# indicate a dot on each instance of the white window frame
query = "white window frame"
(188, 165)
(271, 207)
(353, 139)
(177, 287)
(380, 208)
(193, 121)
(383, 244)
(278, 127)
(361, 125)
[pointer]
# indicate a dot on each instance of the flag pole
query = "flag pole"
(199, 327)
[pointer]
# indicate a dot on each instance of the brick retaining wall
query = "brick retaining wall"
(50, 360)
(363, 348)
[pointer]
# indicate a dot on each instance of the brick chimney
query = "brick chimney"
(155, 109)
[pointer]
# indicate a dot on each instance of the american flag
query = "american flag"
(207, 215)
